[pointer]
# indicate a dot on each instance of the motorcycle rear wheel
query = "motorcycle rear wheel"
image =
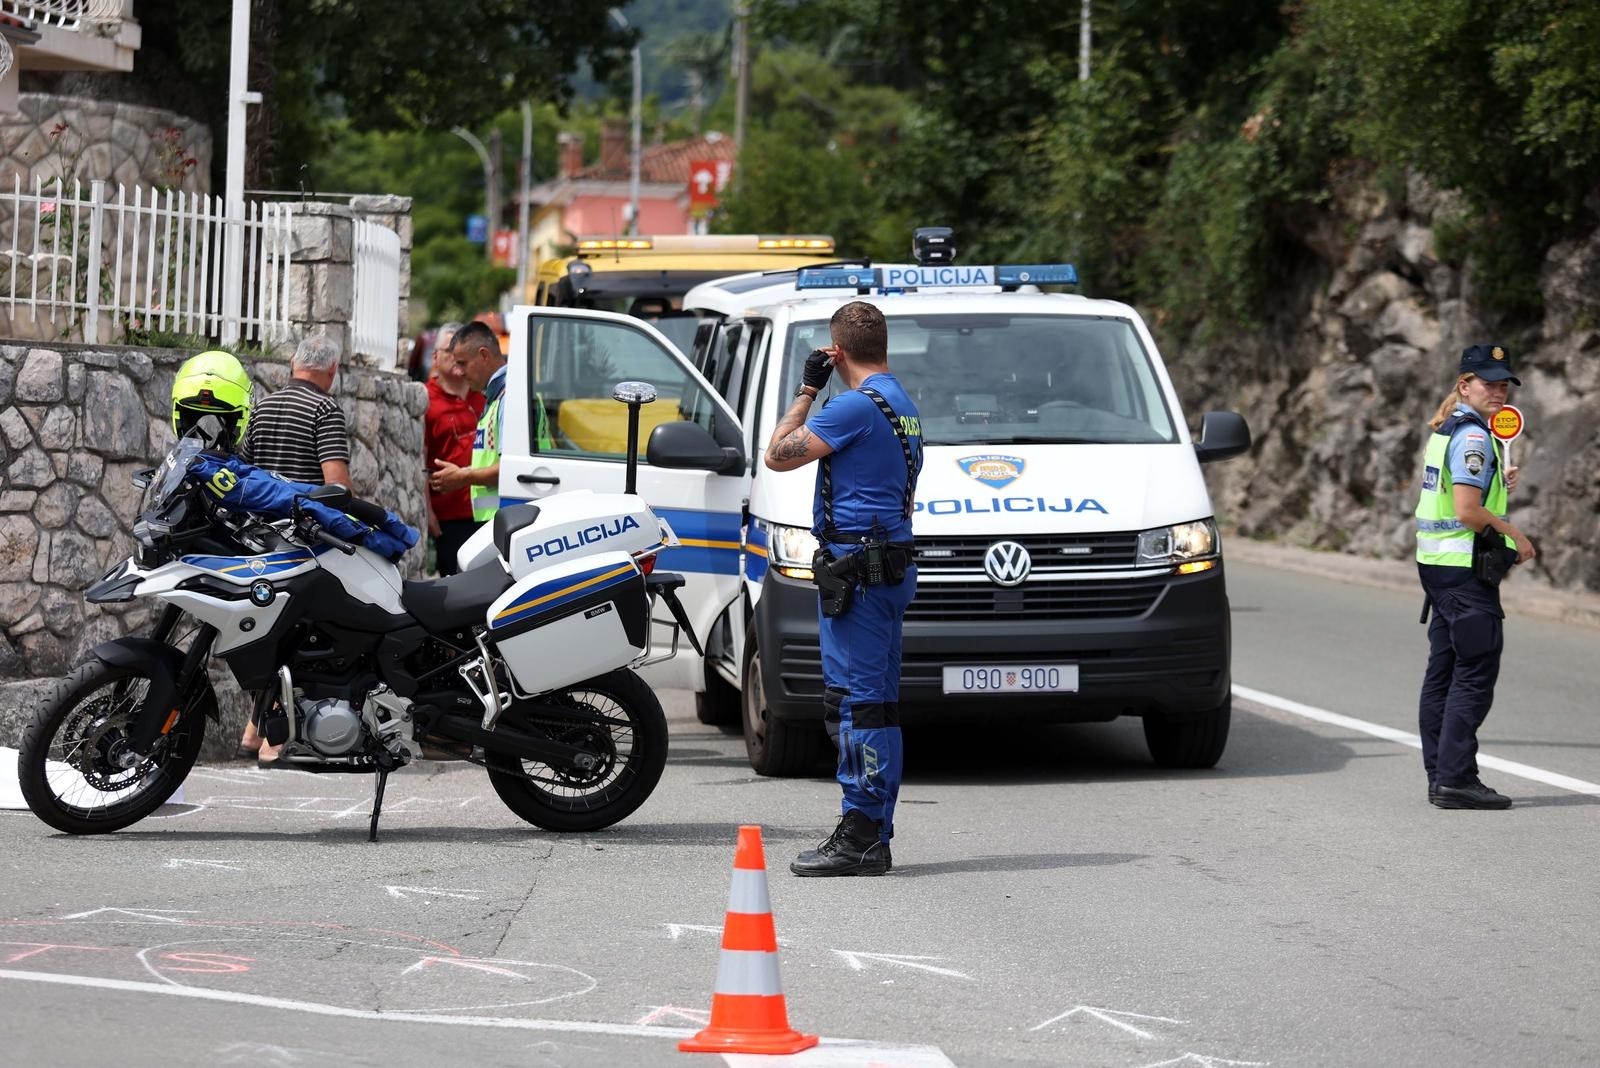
(66, 765)
(618, 718)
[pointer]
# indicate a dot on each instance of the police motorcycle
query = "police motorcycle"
(523, 664)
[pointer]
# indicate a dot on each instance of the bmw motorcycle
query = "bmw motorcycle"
(522, 664)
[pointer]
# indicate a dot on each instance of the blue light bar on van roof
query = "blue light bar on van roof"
(836, 278)
(944, 276)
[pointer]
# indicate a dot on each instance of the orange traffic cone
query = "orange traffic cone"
(748, 1014)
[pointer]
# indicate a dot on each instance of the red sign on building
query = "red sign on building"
(505, 248)
(707, 179)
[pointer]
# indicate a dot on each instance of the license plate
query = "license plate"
(1011, 678)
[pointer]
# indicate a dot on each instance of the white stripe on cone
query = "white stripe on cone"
(749, 892)
(748, 971)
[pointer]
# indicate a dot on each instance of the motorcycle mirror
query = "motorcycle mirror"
(634, 395)
(142, 479)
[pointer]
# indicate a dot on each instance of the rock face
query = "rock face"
(1339, 385)
(68, 504)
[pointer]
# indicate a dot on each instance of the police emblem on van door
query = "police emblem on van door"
(1007, 562)
(992, 470)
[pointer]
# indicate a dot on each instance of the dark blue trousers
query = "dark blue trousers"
(1465, 638)
(861, 703)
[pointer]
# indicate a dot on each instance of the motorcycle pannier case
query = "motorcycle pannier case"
(572, 621)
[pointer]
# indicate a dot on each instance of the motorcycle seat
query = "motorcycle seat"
(455, 601)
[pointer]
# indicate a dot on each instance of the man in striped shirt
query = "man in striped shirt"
(299, 432)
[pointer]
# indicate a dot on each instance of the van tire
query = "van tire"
(719, 705)
(1192, 742)
(776, 747)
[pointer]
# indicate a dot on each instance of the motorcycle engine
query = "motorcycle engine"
(332, 726)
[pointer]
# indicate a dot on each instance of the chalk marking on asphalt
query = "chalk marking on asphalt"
(148, 915)
(318, 1009)
(403, 892)
(675, 931)
(1108, 1016)
(213, 865)
(1378, 730)
(1204, 1061)
(657, 1013)
(855, 959)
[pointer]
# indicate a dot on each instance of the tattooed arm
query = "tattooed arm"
(792, 444)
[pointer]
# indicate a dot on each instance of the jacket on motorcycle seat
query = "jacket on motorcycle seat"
(247, 488)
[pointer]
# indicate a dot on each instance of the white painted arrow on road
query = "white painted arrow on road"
(1108, 1016)
(857, 961)
(403, 892)
(215, 865)
(138, 914)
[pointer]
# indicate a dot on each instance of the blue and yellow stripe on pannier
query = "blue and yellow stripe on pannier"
(552, 595)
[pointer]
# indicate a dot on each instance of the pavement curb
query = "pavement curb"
(1521, 595)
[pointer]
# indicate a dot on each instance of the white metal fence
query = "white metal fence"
(97, 266)
(374, 320)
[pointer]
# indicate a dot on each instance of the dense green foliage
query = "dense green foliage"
(1207, 143)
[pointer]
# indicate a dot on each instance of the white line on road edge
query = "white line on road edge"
(510, 1022)
(1322, 715)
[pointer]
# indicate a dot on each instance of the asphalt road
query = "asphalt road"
(1056, 900)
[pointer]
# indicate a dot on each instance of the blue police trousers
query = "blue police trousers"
(1465, 638)
(861, 703)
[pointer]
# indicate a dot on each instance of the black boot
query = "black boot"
(852, 849)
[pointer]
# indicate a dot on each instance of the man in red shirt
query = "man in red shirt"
(451, 421)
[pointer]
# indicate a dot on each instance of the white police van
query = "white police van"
(1069, 568)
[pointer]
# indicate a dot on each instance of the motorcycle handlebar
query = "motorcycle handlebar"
(338, 543)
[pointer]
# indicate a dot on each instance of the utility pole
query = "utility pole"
(638, 131)
(233, 194)
(741, 71)
(496, 156)
(1083, 41)
(525, 187)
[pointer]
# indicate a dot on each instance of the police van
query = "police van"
(1069, 565)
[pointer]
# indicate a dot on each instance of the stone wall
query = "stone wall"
(75, 424)
(1363, 345)
(71, 137)
(321, 283)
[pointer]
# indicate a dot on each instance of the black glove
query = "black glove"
(819, 367)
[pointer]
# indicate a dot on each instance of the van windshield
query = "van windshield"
(1013, 379)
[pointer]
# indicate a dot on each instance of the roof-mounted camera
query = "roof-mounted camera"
(931, 245)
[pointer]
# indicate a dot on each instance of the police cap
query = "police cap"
(1492, 363)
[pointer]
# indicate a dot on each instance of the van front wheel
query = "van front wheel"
(775, 746)
(1193, 742)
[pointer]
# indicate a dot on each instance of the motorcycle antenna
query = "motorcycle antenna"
(635, 395)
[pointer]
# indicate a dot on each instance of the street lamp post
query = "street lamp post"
(637, 118)
(489, 198)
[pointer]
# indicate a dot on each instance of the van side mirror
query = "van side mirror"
(1222, 435)
(690, 446)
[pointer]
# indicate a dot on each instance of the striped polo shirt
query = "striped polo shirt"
(294, 431)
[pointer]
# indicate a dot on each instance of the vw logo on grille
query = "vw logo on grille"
(1007, 562)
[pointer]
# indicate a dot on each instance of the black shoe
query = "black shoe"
(1473, 795)
(1433, 793)
(852, 849)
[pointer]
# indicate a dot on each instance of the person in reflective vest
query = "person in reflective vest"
(1465, 544)
(478, 351)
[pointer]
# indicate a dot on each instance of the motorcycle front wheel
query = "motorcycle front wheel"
(70, 764)
(617, 718)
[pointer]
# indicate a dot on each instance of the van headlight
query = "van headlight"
(790, 550)
(1190, 547)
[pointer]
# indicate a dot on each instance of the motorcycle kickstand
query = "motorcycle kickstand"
(377, 803)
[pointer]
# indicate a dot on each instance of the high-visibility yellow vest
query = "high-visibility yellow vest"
(485, 453)
(1442, 539)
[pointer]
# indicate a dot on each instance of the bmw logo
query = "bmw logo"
(262, 594)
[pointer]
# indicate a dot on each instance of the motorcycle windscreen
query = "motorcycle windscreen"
(572, 621)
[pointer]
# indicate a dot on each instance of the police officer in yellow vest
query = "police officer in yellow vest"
(478, 350)
(1465, 544)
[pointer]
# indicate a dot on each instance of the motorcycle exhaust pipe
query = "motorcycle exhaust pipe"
(503, 739)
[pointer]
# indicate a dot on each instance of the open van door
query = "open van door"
(563, 431)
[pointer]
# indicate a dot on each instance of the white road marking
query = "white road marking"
(1378, 730)
(881, 1050)
(856, 958)
(403, 892)
(214, 865)
(1200, 1060)
(1108, 1016)
(138, 914)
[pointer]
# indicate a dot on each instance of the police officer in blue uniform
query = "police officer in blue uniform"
(869, 445)
(1465, 545)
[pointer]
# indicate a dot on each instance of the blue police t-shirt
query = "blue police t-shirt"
(1470, 454)
(868, 464)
